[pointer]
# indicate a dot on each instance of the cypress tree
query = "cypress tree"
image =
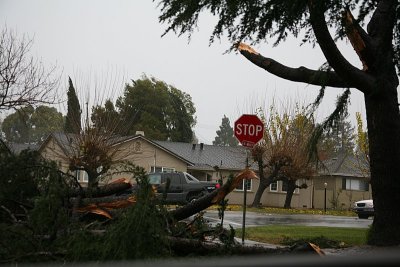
(225, 135)
(73, 119)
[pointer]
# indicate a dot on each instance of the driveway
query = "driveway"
(235, 219)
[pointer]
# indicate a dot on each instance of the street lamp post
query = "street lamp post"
(325, 185)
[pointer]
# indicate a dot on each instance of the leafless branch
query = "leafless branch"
(23, 79)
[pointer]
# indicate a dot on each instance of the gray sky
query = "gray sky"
(114, 41)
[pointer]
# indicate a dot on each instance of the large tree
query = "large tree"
(323, 23)
(282, 153)
(23, 79)
(32, 125)
(73, 118)
(162, 111)
(225, 136)
(107, 118)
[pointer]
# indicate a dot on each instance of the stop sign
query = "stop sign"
(249, 129)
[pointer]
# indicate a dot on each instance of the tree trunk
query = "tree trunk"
(291, 186)
(264, 183)
(384, 145)
(109, 189)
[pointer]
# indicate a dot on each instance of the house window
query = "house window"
(273, 187)
(248, 184)
(355, 184)
(161, 169)
(82, 176)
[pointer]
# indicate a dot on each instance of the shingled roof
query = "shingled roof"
(205, 157)
(344, 165)
(17, 148)
(197, 156)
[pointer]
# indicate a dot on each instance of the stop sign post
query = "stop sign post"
(249, 129)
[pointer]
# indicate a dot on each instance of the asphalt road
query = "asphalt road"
(235, 219)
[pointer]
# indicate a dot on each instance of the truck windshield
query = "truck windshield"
(190, 178)
(155, 178)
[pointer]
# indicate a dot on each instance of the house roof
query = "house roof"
(345, 165)
(17, 148)
(156, 144)
(68, 141)
(196, 156)
(205, 157)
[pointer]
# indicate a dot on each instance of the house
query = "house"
(345, 178)
(344, 184)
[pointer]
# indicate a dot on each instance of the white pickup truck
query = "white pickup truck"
(364, 208)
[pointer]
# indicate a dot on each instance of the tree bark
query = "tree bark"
(106, 190)
(384, 134)
(291, 186)
(264, 182)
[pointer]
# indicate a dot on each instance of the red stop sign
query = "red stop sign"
(249, 129)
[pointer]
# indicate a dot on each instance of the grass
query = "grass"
(321, 236)
(289, 211)
(290, 234)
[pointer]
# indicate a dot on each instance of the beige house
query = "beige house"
(346, 180)
(344, 185)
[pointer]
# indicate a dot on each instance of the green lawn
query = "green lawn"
(288, 211)
(321, 236)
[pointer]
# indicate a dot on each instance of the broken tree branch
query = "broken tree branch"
(212, 198)
(301, 74)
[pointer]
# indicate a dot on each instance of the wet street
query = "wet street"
(235, 219)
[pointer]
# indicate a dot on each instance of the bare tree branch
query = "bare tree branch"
(23, 79)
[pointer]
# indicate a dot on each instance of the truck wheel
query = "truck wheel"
(362, 216)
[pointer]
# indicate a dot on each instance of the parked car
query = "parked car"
(179, 187)
(364, 208)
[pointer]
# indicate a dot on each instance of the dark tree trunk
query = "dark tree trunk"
(264, 183)
(384, 145)
(383, 120)
(106, 190)
(291, 186)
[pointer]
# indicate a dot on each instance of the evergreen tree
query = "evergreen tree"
(339, 138)
(73, 119)
(371, 27)
(225, 136)
(30, 125)
(107, 119)
(162, 111)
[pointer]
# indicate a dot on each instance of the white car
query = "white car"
(364, 208)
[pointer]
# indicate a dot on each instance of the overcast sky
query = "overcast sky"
(114, 41)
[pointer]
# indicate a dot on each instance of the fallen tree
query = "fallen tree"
(212, 198)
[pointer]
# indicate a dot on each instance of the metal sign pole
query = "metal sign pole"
(244, 199)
